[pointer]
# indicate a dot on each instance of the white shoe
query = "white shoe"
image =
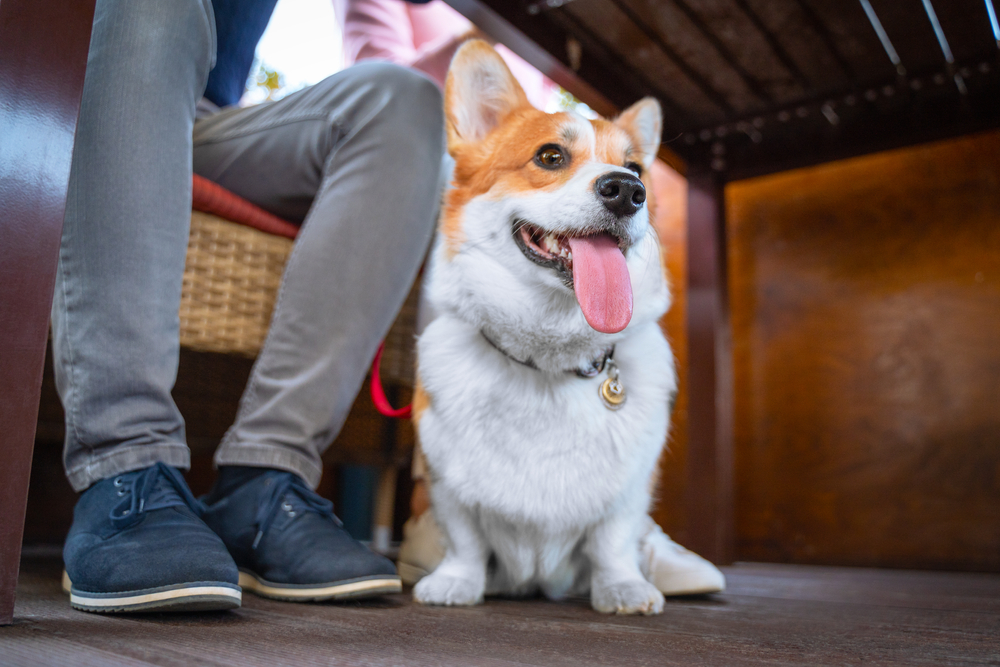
(422, 549)
(673, 569)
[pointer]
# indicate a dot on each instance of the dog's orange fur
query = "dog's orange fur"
(502, 163)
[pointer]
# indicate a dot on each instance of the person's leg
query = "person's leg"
(115, 316)
(356, 158)
(136, 542)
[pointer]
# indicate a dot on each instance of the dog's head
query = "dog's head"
(547, 217)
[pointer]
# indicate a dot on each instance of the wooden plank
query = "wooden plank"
(41, 87)
(700, 49)
(677, 30)
(593, 45)
(849, 100)
(807, 42)
(911, 589)
(776, 45)
(734, 25)
(768, 617)
(911, 33)
(855, 38)
(710, 461)
(966, 24)
(878, 118)
(865, 296)
(638, 52)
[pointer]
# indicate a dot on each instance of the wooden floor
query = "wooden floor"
(771, 614)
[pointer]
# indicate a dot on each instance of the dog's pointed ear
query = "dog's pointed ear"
(644, 122)
(479, 93)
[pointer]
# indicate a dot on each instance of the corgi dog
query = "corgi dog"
(544, 382)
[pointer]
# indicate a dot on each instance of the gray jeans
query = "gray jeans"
(355, 159)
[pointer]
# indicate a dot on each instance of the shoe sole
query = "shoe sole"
(361, 587)
(199, 596)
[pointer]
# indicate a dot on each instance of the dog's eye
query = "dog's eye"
(634, 166)
(550, 157)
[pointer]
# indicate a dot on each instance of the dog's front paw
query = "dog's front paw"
(627, 597)
(447, 589)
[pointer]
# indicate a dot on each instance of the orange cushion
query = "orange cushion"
(210, 197)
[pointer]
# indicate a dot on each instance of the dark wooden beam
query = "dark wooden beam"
(593, 45)
(827, 38)
(43, 56)
(899, 112)
(709, 488)
(775, 44)
(681, 63)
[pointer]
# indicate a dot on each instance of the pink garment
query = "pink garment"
(424, 37)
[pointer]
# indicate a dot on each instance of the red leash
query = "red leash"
(378, 393)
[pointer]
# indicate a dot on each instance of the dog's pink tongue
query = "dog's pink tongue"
(601, 282)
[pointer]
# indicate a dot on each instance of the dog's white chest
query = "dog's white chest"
(526, 446)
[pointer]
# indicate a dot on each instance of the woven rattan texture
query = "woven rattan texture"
(231, 282)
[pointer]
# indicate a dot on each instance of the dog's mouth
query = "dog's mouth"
(591, 264)
(546, 249)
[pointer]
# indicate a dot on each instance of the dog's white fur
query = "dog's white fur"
(537, 485)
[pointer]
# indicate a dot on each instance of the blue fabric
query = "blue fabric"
(239, 25)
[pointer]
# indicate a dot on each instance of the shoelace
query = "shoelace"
(287, 489)
(154, 488)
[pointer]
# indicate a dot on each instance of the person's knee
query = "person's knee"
(416, 90)
(405, 92)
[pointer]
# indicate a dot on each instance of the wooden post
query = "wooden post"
(709, 492)
(43, 57)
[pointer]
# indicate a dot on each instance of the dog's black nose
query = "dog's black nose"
(622, 194)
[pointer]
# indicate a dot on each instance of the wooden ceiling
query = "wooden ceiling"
(756, 86)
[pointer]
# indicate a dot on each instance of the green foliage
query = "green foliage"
(265, 83)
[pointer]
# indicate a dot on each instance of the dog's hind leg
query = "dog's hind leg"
(460, 579)
(617, 585)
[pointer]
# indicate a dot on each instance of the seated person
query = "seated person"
(348, 159)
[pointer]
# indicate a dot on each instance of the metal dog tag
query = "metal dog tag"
(612, 391)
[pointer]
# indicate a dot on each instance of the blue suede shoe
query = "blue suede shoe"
(289, 545)
(138, 544)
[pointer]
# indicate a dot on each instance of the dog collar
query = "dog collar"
(611, 391)
(595, 368)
